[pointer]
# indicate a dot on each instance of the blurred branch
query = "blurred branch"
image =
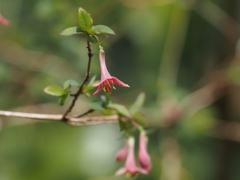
(171, 159)
(58, 117)
(216, 16)
(75, 96)
(169, 66)
(206, 95)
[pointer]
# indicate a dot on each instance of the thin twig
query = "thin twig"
(58, 117)
(79, 92)
(85, 113)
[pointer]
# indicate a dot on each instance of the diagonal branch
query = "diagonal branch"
(79, 92)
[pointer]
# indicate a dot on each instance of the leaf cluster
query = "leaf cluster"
(63, 93)
(86, 27)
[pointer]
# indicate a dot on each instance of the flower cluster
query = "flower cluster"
(4, 21)
(127, 152)
(107, 80)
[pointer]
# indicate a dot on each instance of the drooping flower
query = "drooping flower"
(122, 153)
(130, 168)
(143, 155)
(107, 80)
(4, 21)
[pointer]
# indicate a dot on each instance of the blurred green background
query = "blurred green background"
(184, 54)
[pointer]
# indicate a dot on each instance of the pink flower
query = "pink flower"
(107, 80)
(122, 153)
(4, 21)
(130, 167)
(143, 156)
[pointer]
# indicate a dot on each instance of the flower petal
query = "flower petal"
(141, 171)
(121, 171)
(4, 21)
(107, 80)
(98, 90)
(118, 82)
(122, 153)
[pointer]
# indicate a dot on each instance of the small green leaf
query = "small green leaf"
(120, 109)
(106, 99)
(121, 125)
(70, 83)
(92, 81)
(92, 38)
(138, 117)
(84, 19)
(103, 29)
(233, 73)
(106, 112)
(62, 99)
(87, 88)
(125, 126)
(136, 106)
(96, 106)
(72, 30)
(90, 31)
(54, 90)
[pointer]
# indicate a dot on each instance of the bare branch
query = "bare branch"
(58, 117)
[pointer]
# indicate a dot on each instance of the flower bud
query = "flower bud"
(143, 156)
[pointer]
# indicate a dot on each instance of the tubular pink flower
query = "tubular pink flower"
(4, 21)
(130, 167)
(143, 156)
(107, 80)
(122, 153)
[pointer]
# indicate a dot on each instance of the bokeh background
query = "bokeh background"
(184, 54)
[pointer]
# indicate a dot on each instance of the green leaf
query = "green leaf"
(106, 99)
(138, 117)
(92, 81)
(92, 38)
(69, 83)
(72, 30)
(84, 19)
(103, 29)
(62, 99)
(126, 127)
(106, 112)
(90, 31)
(136, 106)
(96, 106)
(87, 90)
(54, 90)
(120, 109)
(121, 125)
(233, 73)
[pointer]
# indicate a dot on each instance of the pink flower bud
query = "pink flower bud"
(122, 153)
(4, 21)
(143, 156)
(130, 167)
(107, 80)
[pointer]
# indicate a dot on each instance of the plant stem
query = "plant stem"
(80, 90)
(85, 113)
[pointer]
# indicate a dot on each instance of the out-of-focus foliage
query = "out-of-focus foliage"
(165, 48)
